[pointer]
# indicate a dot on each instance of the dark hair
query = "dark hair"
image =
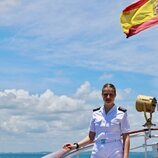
(109, 85)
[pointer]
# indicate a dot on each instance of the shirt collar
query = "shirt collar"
(114, 108)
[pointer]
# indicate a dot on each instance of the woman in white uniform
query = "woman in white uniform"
(109, 129)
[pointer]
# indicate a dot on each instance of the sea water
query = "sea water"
(83, 155)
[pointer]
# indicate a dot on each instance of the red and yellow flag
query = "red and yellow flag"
(139, 16)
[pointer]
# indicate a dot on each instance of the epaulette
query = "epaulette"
(122, 109)
(96, 109)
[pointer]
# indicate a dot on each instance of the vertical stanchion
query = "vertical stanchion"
(145, 144)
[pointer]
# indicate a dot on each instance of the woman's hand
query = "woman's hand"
(69, 146)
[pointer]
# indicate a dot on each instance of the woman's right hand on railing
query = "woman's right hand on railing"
(69, 146)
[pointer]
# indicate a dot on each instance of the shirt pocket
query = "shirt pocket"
(99, 125)
(115, 125)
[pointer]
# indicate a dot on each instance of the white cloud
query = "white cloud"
(84, 89)
(24, 113)
(6, 5)
(124, 94)
(21, 125)
(86, 92)
(106, 76)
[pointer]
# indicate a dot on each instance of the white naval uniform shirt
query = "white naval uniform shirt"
(109, 126)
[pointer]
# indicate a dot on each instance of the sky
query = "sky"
(55, 56)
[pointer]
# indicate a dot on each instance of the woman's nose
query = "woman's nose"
(108, 96)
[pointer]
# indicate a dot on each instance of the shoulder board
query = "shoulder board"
(122, 109)
(96, 109)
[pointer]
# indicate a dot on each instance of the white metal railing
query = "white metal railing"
(78, 151)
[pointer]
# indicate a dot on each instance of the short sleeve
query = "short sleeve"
(125, 126)
(92, 125)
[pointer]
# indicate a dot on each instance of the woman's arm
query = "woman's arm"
(126, 145)
(87, 140)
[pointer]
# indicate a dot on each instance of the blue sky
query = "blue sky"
(55, 55)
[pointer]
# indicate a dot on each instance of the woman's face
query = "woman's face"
(108, 95)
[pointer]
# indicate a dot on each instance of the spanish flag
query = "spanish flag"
(139, 16)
